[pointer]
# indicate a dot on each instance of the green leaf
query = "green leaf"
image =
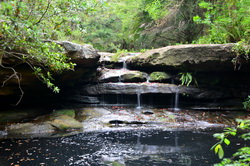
(221, 152)
(227, 141)
(197, 18)
(217, 148)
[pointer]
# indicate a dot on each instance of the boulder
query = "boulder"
(197, 57)
(64, 122)
(84, 55)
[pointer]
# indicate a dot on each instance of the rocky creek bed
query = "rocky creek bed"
(89, 119)
(114, 135)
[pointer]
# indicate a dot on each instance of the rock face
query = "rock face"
(205, 57)
(85, 56)
(156, 71)
(152, 88)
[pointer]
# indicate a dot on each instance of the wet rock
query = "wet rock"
(29, 128)
(64, 122)
(153, 88)
(122, 75)
(200, 57)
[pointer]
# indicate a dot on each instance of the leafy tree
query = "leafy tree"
(226, 20)
(26, 25)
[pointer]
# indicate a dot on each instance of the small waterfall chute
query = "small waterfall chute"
(138, 100)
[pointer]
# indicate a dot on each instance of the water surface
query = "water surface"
(115, 148)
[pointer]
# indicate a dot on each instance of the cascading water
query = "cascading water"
(124, 65)
(138, 100)
(148, 77)
(176, 101)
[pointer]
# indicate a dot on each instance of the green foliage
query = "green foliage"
(242, 156)
(226, 20)
(25, 25)
(242, 50)
(186, 78)
(246, 104)
(155, 9)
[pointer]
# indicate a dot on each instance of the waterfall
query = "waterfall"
(138, 100)
(148, 78)
(176, 101)
(124, 65)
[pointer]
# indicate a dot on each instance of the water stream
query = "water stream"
(138, 100)
(124, 65)
(176, 101)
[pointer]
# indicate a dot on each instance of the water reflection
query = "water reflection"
(120, 148)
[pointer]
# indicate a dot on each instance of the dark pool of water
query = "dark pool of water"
(116, 148)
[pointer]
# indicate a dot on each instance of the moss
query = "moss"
(68, 112)
(159, 76)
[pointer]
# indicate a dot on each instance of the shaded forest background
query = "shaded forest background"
(110, 25)
(29, 27)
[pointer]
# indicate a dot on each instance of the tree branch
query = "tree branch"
(15, 74)
(46, 10)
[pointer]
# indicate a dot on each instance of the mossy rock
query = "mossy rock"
(64, 122)
(133, 76)
(159, 76)
(69, 112)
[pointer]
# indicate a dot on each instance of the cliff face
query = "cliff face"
(155, 72)
(84, 56)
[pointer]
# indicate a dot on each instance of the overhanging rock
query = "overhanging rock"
(193, 57)
(151, 88)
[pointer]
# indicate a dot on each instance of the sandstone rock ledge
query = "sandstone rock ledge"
(197, 57)
(151, 88)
